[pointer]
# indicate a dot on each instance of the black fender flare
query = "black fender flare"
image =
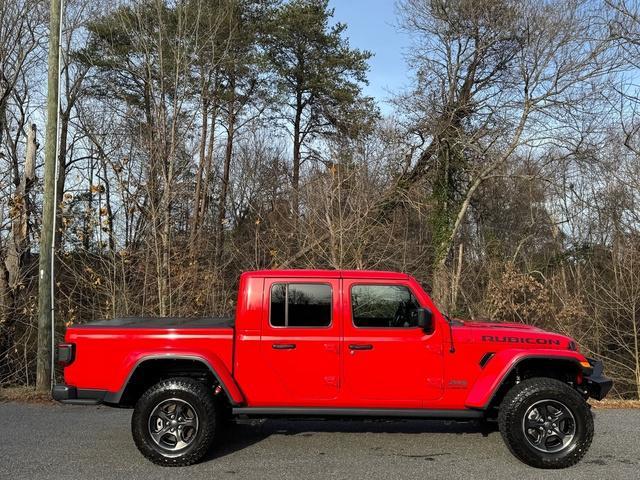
(116, 397)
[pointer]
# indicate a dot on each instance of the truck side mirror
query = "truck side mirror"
(425, 319)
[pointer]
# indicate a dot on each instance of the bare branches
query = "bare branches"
(507, 177)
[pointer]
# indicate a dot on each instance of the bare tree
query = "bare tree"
(494, 76)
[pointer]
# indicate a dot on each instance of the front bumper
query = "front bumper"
(595, 383)
(72, 395)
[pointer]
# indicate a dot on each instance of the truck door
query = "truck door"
(300, 342)
(389, 362)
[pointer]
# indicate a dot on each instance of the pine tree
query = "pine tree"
(318, 74)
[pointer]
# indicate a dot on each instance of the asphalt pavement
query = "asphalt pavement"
(77, 442)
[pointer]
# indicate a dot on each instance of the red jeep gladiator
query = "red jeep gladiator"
(333, 343)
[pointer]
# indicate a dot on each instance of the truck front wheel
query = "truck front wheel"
(174, 422)
(546, 423)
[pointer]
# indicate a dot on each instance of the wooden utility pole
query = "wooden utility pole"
(45, 297)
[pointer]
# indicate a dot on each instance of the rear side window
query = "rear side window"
(383, 306)
(300, 305)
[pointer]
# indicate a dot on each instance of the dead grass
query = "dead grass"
(612, 403)
(24, 394)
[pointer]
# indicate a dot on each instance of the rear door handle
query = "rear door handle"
(283, 346)
(360, 346)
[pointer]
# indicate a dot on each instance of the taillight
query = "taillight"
(66, 353)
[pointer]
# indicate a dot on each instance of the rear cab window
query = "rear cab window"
(300, 305)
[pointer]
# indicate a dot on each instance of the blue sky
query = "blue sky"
(372, 26)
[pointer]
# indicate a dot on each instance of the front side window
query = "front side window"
(300, 305)
(383, 306)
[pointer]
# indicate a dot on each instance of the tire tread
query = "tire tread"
(516, 398)
(205, 401)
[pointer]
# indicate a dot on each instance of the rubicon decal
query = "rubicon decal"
(527, 340)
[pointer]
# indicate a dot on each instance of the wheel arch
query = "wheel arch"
(506, 368)
(150, 369)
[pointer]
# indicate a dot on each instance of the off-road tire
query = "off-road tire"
(199, 397)
(514, 407)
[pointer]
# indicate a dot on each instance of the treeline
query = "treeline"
(201, 138)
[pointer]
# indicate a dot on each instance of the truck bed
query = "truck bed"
(108, 351)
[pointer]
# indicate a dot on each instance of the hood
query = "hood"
(510, 335)
(497, 326)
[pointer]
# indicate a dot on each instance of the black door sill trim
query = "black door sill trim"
(357, 412)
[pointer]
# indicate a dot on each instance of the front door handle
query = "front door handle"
(360, 346)
(283, 346)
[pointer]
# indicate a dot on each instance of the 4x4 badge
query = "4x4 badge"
(457, 383)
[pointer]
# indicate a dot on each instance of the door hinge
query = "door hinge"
(433, 348)
(331, 347)
(435, 382)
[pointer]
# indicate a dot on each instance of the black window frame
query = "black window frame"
(353, 318)
(286, 318)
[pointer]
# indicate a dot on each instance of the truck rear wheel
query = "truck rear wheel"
(174, 422)
(546, 423)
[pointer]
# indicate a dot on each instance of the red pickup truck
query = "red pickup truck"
(333, 343)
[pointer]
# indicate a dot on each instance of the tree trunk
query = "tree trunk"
(204, 204)
(297, 147)
(3, 116)
(441, 284)
(87, 229)
(109, 210)
(17, 247)
(17, 241)
(166, 204)
(195, 215)
(62, 166)
(222, 201)
(455, 287)
(165, 256)
(6, 326)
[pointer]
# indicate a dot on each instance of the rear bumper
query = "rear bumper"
(72, 395)
(595, 383)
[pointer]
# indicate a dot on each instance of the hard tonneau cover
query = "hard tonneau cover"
(162, 322)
